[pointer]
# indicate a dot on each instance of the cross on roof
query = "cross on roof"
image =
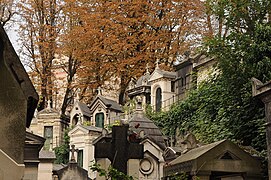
(99, 89)
(147, 68)
(73, 150)
(157, 63)
(119, 150)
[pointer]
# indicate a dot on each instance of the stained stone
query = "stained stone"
(118, 149)
(18, 100)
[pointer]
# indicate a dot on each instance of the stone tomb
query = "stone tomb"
(222, 160)
(18, 100)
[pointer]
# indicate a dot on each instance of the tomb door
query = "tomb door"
(158, 97)
(80, 158)
(99, 120)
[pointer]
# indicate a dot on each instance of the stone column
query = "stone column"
(263, 92)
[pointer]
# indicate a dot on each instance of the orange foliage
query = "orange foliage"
(119, 37)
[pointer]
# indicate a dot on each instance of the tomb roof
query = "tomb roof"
(151, 131)
(144, 80)
(195, 153)
(84, 108)
(111, 104)
(49, 111)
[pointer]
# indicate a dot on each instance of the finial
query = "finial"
(99, 89)
(73, 150)
(147, 69)
(77, 98)
(157, 64)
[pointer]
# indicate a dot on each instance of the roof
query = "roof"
(223, 156)
(49, 110)
(143, 80)
(43, 154)
(84, 108)
(33, 139)
(14, 65)
(195, 153)
(57, 167)
(108, 102)
(151, 131)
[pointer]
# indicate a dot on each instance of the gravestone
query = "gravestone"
(73, 150)
(18, 101)
(118, 149)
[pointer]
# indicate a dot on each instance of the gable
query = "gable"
(98, 104)
(78, 130)
(155, 75)
(228, 156)
(158, 73)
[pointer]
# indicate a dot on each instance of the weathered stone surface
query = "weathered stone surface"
(118, 149)
(18, 100)
(71, 172)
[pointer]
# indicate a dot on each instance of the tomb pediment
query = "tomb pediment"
(158, 73)
(104, 103)
(228, 156)
(80, 129)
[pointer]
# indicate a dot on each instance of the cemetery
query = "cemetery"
(135, 90)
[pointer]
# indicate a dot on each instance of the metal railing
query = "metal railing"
(166, 104)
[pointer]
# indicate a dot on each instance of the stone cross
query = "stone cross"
(157, 63)
(119, 150)
(99, 89)
(73, 150)
(147, 68)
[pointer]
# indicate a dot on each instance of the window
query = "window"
(80, 158)
(158, 97)
(172, 86)
(48, 135)
(99, 120)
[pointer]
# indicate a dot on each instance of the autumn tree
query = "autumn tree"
(40, 25)
(67, 47)
(118, 38)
